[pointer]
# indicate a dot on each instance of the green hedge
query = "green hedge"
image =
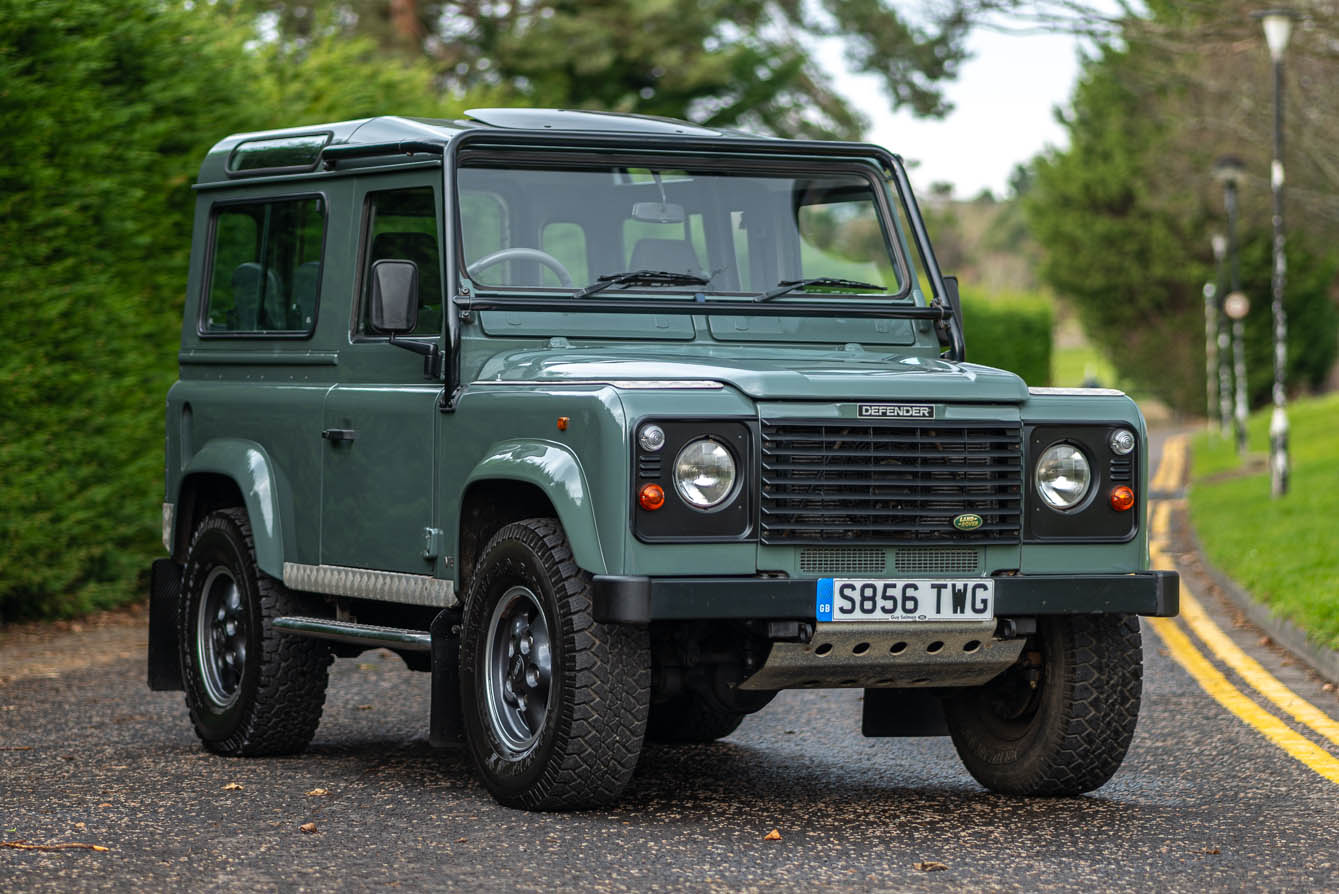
(1011, 331)
(108, 107)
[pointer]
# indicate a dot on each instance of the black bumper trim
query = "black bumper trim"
(640, 600)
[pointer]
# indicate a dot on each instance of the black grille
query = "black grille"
(893, 482)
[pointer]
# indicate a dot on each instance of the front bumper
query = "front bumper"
(640, 600)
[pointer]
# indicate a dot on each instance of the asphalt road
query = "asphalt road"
(1204, 801)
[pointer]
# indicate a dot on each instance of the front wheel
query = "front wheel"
(1060, 721)
(554, 703)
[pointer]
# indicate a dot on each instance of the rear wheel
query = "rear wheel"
(554, 702)
(1060, 721)
(251, 690)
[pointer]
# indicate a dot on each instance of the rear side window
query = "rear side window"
(265, 269)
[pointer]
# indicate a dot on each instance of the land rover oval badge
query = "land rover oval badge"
(968, 521)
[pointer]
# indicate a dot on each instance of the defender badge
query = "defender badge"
(968, 521)
(895, 411)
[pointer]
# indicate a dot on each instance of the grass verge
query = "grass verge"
(1283, 551)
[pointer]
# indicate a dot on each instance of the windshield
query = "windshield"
(715, 231)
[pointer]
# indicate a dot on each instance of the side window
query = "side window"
(266, 268)
(566, 241)
(402, 225)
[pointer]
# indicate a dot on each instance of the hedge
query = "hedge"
(1011, 331)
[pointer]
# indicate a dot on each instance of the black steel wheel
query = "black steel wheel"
(1060, 721)
(250, 689)
(554, 703)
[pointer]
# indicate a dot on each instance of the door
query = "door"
(379, 423)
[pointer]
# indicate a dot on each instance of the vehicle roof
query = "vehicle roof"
(395, 128)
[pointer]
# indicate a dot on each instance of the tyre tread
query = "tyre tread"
(294, 671)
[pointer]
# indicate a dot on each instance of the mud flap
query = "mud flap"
(898, 713)
(445, 726)
(164, 660)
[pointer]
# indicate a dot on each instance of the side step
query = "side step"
(400, 638)
(442, 642)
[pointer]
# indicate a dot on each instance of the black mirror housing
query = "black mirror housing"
(394, 296)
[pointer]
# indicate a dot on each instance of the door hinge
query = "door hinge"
(432, 543)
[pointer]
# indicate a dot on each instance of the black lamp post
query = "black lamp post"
(1278, 25)
(1216, 384)
(1228, 170)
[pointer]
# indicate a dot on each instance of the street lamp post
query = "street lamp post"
(1278, 28)
(1229, 170)
(1218, 384)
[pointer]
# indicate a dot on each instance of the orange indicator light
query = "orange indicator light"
(562, 423)
(1122, 498)
(651, 497)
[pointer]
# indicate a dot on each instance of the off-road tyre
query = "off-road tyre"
(584, 748)
(1069, 734)
(275, 705)
(694, 718)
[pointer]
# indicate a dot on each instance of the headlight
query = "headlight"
(1063, 476)
(704, 473)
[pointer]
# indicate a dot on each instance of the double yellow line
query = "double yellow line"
(1170, 476)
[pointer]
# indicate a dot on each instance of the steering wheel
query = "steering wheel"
(523, 254)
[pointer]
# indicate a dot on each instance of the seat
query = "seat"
(302, 309)
(255, 309)
(670, 255)
(421, 248)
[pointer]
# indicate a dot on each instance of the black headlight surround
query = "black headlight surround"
(1092, 520)
(678, 521)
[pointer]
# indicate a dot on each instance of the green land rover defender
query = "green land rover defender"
(617, 426)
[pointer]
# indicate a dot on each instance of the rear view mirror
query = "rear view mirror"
(657, 212)
(395, 296)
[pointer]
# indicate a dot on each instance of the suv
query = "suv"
(617, 426)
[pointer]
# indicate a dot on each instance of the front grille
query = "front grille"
(842, 560)
(890, 482)
(937, 560)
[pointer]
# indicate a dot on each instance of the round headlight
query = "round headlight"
(704, 473)
(1122, 441)
(1063, 476)
(651, 437)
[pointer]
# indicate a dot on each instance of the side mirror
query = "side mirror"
(955, 305)
(395, 296)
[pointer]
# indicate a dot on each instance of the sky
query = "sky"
(1003, 101)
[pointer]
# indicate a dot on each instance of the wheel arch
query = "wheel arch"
(233, 472)
(525, 479)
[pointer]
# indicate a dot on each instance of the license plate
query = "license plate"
(853, 599)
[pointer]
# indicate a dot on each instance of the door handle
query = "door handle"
(335, 435)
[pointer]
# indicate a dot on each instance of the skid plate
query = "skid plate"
(885, 654)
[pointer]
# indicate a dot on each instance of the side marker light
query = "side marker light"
(562, 423)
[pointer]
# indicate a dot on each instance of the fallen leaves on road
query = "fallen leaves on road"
(1210, 850)
(234, 787)
(930, 866)
(19, 845)
(16, 748)
(364, 707)
(317, 793)
(774, 835)
(309, 828)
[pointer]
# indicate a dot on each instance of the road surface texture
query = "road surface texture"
(1232, 783)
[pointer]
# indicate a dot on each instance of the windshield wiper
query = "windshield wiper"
(790, 285)
(642, 278)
